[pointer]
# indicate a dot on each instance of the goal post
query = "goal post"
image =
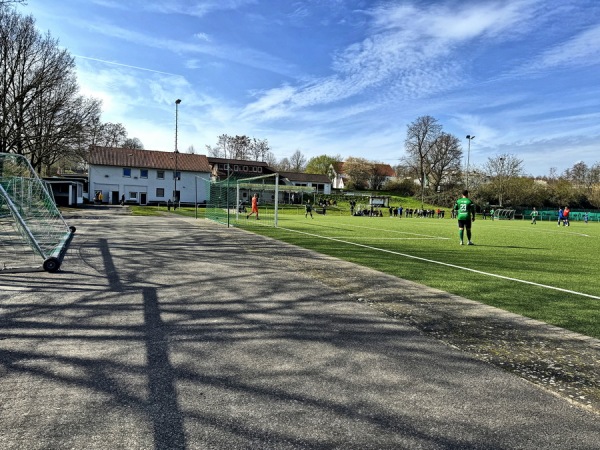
(230, 200)
(267, 189)
(31, 226)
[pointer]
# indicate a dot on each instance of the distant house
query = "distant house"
(320, 183)
(337, 176)
(147, 176)
(382, 173)
(238, 168)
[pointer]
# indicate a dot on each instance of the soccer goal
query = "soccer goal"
(33, 233)
(266, 188)
(503, 213)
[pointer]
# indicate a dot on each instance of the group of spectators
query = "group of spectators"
(396, 212)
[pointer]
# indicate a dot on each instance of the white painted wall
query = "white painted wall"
(109, 179)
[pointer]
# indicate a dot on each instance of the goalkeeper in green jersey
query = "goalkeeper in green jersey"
(465, 212)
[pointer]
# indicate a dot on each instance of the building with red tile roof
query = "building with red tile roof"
(147, 176)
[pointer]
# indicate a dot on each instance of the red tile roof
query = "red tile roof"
(151, 159)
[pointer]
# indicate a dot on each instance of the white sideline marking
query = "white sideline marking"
(426, 238)
(446, 264)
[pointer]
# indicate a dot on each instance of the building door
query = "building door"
(143, 198)
(114, 197)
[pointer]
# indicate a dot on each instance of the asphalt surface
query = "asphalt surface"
(171, 333)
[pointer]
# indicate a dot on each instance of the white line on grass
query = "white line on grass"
(426, 238)
(445, 264)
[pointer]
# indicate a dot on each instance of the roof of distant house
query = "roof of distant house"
(306, 177)
(151, 159)
(240, 162)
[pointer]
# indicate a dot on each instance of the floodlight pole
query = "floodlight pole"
(175, 196)
(470, 138)
(501, 179)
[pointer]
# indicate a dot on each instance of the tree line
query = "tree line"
(42, 114)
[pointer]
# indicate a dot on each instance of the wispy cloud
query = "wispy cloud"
(194, 8)
(246, 56)
(580, 50)
(407, 54)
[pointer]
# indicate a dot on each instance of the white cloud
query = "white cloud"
(581, 50)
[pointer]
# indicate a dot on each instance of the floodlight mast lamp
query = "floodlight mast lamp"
(470, 138)
(175, 196)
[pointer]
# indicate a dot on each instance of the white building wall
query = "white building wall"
(110, 179)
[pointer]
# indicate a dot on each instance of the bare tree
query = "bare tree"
(444, 159)
(133, 143)
(421, 137)
(583, 177)
(283, 165)
(270, 159)
(502, 170)
(297, 161)
(42, 116)
(259, 149)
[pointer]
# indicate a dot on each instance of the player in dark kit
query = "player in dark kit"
(465, 213)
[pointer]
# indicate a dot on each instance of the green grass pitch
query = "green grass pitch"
(541, 271)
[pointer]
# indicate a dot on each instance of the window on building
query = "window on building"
(143, 173)
(253, 168)
(133, 195)
(245, 168)
(127, 172)
(160, 192)
(236, 167)
(260, 169)
(177, 175)
(160, 174)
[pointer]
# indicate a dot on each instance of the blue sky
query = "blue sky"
(343, 76)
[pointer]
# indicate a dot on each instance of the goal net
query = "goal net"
(33, 233)
(230, 200)
(266, 190)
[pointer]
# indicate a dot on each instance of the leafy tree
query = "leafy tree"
(359, 171)
(377, 175)
(321, 164)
